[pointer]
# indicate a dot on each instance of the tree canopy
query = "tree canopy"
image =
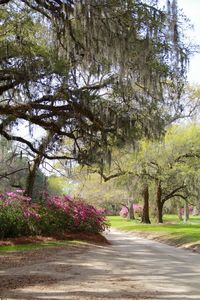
(96, 73)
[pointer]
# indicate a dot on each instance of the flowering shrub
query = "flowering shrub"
(20, 216)
(136, 207)
(190, 210)
(65, 213)
(124, 212)
(17, 216)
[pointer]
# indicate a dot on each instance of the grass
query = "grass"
(40, 245)
(177, 232)
(174, 218)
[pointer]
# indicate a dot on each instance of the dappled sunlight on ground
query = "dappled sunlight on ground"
(130, 268)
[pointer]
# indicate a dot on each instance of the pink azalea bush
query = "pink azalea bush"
(20, 216)
(66, 213)
(124, 212)
(17, 216)
(136, 207)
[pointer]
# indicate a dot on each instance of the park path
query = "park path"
(130, 268)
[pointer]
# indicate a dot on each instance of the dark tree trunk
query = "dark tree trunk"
(159, 203)
(31, 176)
(131, 215)
(35, 165)
(145, 212)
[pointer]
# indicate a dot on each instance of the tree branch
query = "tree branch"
(4, 2)
(172, 193)
(11, 173)
(188, 155)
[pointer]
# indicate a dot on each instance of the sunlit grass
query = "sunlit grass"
(182, 233)
(40, 245)
(175, 219)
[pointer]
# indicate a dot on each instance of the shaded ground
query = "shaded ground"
(94, 238)
(130, 268)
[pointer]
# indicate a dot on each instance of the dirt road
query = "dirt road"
(131, 268)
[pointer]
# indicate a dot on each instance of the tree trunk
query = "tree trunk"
(31, 176)
(159, 203)
(179, 211)
(186, 211)
(145, 212)
(198, 207)
(131, 215)
(35, 165)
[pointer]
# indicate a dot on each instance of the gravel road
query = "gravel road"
(130, 268)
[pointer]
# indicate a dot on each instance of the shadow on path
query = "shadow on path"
(131, 268)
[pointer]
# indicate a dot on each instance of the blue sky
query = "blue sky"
(191, 9)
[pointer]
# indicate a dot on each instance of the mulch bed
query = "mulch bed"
(93, 238)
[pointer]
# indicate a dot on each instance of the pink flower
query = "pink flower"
(136, 207)
(11, 194)
(20, 191)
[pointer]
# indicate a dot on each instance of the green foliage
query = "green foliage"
(58, 185)
(13, 223)
(173, 162)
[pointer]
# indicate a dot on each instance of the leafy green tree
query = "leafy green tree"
(162, 170)
(171, 164)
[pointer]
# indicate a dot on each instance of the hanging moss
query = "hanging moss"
(130, 49)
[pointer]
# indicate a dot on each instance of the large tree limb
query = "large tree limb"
(188, 155)
(33, 149)
(172, 193)
(6, 175)
(4, 2)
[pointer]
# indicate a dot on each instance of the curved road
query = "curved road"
(174, 273)
(131, 268)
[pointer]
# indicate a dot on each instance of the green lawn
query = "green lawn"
(174, 219)
(179, 233)
(40, 245)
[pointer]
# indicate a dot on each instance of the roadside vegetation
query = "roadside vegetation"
(19, 216)
(171, 231)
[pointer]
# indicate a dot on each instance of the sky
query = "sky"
(191, 9)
